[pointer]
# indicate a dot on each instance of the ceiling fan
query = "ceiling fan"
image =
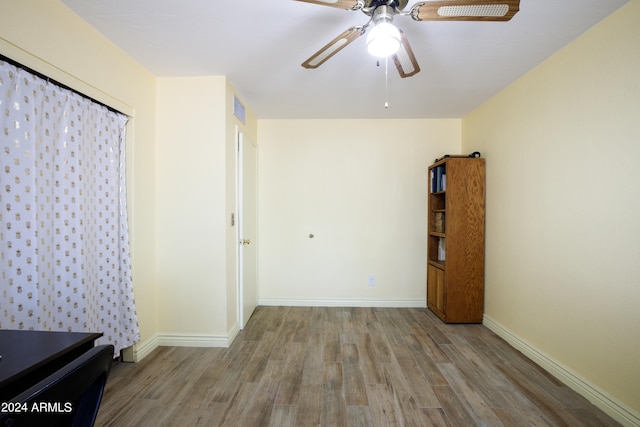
(385, 39)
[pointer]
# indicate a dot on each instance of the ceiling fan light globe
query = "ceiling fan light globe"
(383, 40)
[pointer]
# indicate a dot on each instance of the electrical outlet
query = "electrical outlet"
(372, 280)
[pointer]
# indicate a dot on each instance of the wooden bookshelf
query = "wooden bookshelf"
(455, 240)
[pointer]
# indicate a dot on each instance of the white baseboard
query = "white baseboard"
(143, 349)
(400, 303)
(191, 340)
(601, 399)
(233, 333)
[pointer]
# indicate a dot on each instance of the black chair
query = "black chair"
(69, 397)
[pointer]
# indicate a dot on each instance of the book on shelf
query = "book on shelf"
(432, 187)
(438, 222)
(438, 178)
(441, 249)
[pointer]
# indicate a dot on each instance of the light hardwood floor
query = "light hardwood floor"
(311, 366)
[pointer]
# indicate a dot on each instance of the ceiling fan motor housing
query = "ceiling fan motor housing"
(383, 14)
(395, 4)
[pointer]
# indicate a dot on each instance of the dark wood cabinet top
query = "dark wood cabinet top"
(27, 353)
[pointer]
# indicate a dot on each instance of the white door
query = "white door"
(247, 228)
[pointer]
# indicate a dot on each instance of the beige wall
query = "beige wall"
(190, 210)
(49, 38)
(359, 186)
(563, 208)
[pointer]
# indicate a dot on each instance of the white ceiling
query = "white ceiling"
(260, 44)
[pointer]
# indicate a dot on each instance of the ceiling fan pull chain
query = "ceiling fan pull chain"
(386, 82)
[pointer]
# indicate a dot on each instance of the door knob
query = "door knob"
(245, 242)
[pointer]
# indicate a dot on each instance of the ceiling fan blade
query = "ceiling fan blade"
(341, 4)
(465, 10)
(405, 60)
(333, 47)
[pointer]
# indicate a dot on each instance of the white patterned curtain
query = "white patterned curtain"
(64, 246)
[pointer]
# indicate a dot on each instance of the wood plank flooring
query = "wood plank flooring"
(313, 366)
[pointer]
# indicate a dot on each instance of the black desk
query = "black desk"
(30, 356)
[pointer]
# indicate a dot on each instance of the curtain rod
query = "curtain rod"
(57, 83)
